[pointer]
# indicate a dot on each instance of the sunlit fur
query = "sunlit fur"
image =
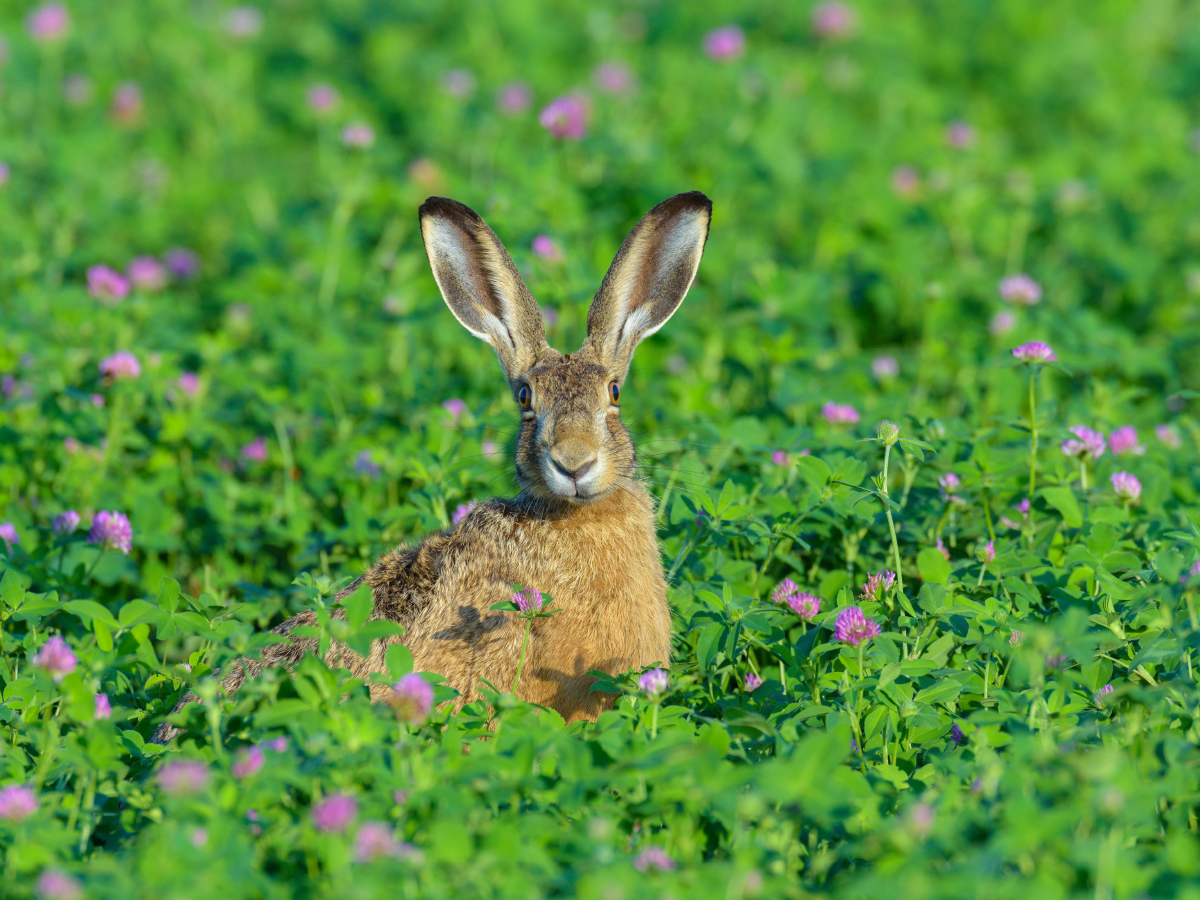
(589, 543)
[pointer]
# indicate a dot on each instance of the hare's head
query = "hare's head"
(572, 444)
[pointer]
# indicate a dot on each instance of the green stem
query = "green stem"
(521, 661)
(289, 465)
(214, 726)
(887, 451)
(683, 552)
(92, 567)
(982, 569)
(1033, 433)
(766, 562)
(116, 414)
(772, 548)
(333, 256)
(89, 801)
(861, 675)
(1082, 474)
(987, 514)
(654, 721)
(662, 503)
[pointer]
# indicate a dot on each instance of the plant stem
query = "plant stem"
(333, 253)
(654, 720)
(89, 801)
(289, 465)
(521, 661)
(1082, 474)
(92, 567)
(861, 676)
(687, 548)
(887, 451)
(113, 437)
(766, 562)
(662, 503)
(1033, 432)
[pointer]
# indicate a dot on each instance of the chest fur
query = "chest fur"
(611, 595)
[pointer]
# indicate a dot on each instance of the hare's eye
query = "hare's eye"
(614, 391)
(524, 396)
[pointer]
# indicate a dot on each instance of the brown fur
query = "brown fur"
(582, 528)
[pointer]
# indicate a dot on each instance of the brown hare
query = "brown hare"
(582, 527)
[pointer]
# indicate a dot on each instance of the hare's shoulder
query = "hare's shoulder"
(405, 580)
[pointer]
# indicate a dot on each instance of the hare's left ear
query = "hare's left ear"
(649, 277)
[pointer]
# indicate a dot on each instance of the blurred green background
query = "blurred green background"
(250, 175)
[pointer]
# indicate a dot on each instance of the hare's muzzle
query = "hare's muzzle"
(573, 470)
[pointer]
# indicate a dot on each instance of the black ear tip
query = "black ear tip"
(690, 200)
(444, 206)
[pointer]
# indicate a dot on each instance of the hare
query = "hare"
(582, 527)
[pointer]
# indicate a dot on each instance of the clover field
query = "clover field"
(952, 655)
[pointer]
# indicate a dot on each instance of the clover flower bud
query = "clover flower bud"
(888, 432)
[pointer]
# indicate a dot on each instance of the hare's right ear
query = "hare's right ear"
(481, 285)
(649, 278)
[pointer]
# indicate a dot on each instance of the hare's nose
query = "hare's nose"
(566, 467)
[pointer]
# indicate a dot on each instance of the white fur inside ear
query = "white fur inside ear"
(450, 254)
(675, 246)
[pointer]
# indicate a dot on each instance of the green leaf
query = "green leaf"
(1160, 648)
(725, 501)
(12, 591)
(916, 448)
(1080, 555)
(1169, 566)
(282, 712)
(897, 776)
(889, 674)
(932, 596)
(358, 605)
(941, 692)
(1122, 559)
(814, 471)
(873, 722)
(363, 639)
(934, 568)
(708, 644)
(805, 645)
(714, 736)
(87, 610)
(399, 660)
(136, 612)
(103, 636)
(1101, 539)
(1063, 499)
(850, 470)
(168, 594)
